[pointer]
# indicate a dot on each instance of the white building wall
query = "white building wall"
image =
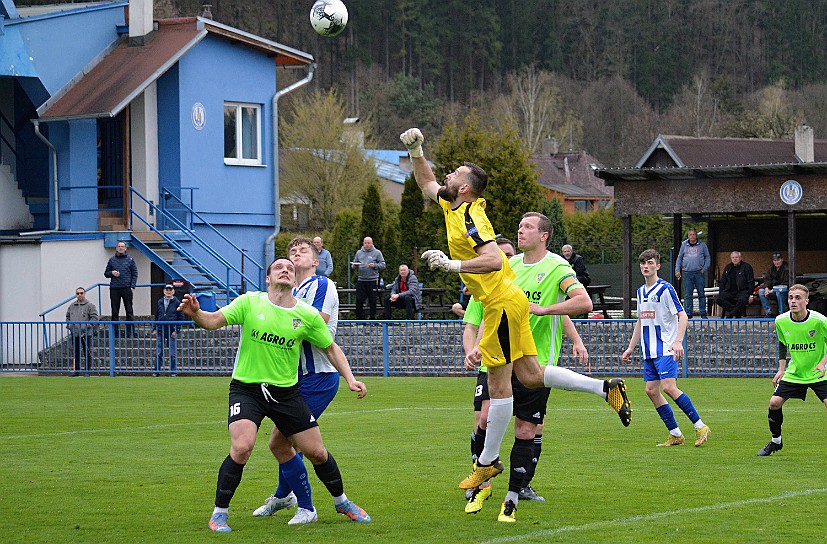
(36, 276)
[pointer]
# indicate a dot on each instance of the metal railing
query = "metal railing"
(714, 347)
(229, 268)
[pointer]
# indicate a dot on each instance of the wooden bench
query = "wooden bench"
(433, 303)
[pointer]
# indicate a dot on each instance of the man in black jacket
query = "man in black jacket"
(123, 273)
(166, 313)
(735, 287)
(775, 286)
(405, 294)
(578, 263)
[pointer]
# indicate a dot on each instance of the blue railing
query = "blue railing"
(229, 268)
(714, 347)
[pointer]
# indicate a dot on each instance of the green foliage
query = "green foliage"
(598, 236)
(322, 169)
(412, 207)
(512, 181)
(553, 209)
(373, 218)
(345, 242)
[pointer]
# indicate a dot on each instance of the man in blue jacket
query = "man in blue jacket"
(692, 263)
(123, 273)
(167, 316)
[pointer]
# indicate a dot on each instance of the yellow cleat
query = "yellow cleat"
(508, 514)
(673, 441)
(478, 498)
(617, 399)
(701, 435)
(480, 474)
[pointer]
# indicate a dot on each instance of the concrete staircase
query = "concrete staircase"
(14, 210)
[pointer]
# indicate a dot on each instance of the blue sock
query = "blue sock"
(295, 474)
(668, 417)
(284, 489)
(688, 408)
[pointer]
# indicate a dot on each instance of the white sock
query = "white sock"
(699, 424)
(341, 499)
(513, 497)
(676, 432)
(499, 415)
(218, 510)
(776, 440)
(562, 378)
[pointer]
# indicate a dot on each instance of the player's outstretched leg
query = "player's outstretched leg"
(616, 397)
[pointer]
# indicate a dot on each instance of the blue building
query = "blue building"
(117, 127)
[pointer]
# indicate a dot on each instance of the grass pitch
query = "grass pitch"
(136, 459)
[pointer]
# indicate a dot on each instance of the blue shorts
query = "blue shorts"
(318, 390)
(660, 368)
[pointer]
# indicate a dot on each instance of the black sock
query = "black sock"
(776, 418)
(521, 460)
(229, 476)
(328, 473)
(538, 449)
(473, 447)
(479, 443)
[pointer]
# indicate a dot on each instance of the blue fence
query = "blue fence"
(714, 347)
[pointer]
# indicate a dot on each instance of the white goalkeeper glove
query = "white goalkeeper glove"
(413, 138)
(437, 259)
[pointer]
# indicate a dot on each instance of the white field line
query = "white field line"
(655, 516)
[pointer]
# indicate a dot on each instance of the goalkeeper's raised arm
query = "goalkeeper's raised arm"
(424, 175)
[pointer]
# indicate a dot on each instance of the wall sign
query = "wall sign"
(791, 192)
(199, 116)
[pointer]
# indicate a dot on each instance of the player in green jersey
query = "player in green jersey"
(264, 384)
(802, 334)
(545, 278)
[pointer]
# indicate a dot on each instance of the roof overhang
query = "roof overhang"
(613, 175)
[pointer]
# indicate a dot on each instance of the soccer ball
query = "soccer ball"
(328, 17)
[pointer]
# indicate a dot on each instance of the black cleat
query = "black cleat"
(769, 449)
(617, 399)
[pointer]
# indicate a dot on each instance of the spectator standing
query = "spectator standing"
(578, 264)
(166, 329)
(325, 267)
(775, 286)
(405, 293)
(691, 265)
(79, 334)
(735, 287)
(369, 262)
(123, 274)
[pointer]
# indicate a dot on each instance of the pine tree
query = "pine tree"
(373, 218)
(344, 244)
(412, 207)
(553, 209)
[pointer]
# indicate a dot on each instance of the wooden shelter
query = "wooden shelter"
(735, 185)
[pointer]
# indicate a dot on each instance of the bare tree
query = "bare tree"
(323, 166)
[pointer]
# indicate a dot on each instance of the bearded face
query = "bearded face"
(447, 193)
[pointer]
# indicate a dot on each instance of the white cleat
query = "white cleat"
(273, 504)
(304, 516)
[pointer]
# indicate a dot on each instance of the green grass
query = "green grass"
(135, 460)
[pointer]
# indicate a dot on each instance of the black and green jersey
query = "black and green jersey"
(806, 343)
(271, 338)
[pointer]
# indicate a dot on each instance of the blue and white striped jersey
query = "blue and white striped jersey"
(319, 292)
(658, 308)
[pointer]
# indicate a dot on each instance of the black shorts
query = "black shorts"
(481, 391)
(284, 405)
(529, 404)
(789, 390)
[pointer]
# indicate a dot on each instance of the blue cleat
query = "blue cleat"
(218, 523)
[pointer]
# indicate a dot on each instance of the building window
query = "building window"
(242, 133)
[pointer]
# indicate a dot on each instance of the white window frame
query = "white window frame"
(239, 134)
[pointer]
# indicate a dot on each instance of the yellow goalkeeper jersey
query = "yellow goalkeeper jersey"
(468, 228)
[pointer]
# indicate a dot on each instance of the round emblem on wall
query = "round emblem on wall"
(791, 192)
(199, 116)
